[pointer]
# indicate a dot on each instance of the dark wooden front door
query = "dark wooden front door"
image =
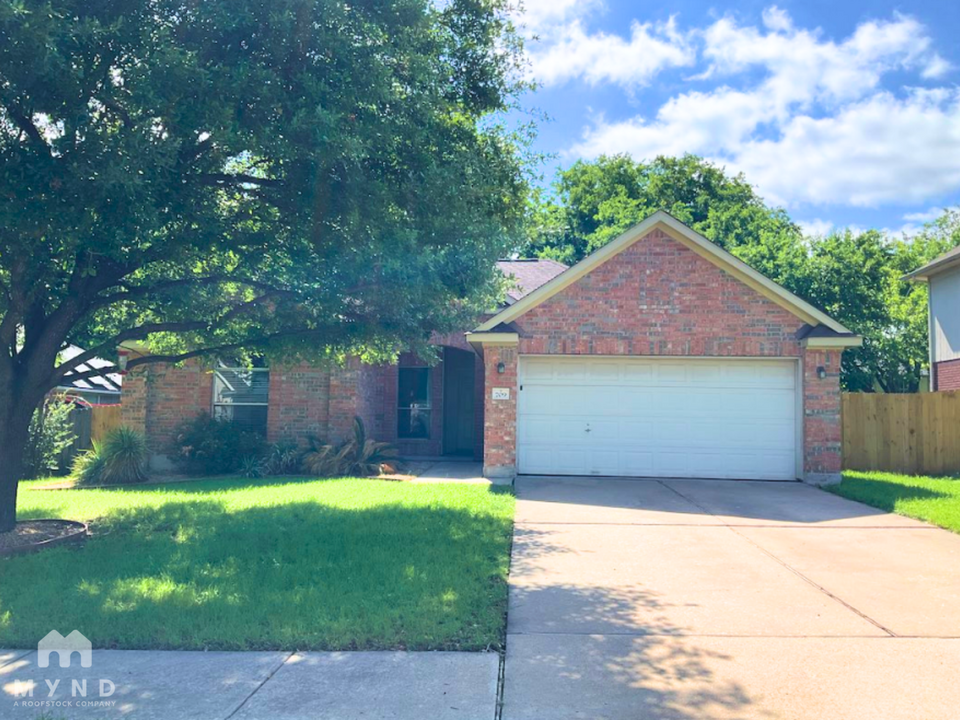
(458, 402)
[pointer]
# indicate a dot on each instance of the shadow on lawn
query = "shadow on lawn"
(300, 575)
(883, 494)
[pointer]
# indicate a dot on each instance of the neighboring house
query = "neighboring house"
(943, 278)
(98, 390)
(659, 355)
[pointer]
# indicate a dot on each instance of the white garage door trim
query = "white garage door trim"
(660, 417)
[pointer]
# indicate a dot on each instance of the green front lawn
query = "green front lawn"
(268, 564)
(936, 500)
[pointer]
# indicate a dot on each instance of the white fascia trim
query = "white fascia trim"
(801, 308)
(832, 342)
(489, 338)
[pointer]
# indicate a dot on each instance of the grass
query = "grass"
(268, 564)
(934, 499)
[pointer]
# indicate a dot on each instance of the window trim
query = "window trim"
(428, 407)
(218, 378)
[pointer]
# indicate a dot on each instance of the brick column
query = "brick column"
(133, 406)
(500, 416)
(821, 417)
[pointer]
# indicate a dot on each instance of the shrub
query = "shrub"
(283, 458)
(121, 459)
(359, 456)
(251, 467)
(211, 446)
(51, 432)
(88, 466)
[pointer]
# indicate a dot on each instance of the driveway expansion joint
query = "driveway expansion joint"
(17, 657)
(267, 679)
(811, 582)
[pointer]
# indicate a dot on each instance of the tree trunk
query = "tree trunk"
(14, 430)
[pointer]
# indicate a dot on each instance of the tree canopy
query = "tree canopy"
(855, 277)
(296, 176)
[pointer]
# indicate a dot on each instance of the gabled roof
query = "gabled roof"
(528, 275)
(694, 241)
(947, 261)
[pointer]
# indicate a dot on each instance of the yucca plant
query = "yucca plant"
(120, 459)
(358, 456)
(320, 458)
(88, 466)
(363, 456)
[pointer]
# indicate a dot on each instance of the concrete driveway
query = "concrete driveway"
(681, 599)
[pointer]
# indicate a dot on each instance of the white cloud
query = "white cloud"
(925, 216)
(815, 228)
(802, 67)
(537, 15)
(776, 19)
(936, 68)
(879, 150)
(817, 126)
(571, 52)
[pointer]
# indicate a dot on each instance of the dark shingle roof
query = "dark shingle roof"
(528, 275)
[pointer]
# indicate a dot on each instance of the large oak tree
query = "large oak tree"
(296, 177)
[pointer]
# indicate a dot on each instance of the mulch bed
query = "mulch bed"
(32, 535)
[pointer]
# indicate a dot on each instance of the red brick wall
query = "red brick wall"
(157, 398)
(659, 298)
(304, 400)
(946, 375)
(133, 400)
(821, 414)
(298, 403)
(500, 416)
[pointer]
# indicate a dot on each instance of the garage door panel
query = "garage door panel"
(673, 418)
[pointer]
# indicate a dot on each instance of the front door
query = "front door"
(458, 402)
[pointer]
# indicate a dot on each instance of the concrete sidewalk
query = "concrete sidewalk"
(638, 600)
(158, 685)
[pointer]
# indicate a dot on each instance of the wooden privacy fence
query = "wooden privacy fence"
(103, 419)
(89, 423)
(915, 434)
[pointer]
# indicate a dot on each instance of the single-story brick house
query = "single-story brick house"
(942, 275)
(659, 355)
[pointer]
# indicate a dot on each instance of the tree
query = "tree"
(596, 201)
(294, 177)
(853, 276)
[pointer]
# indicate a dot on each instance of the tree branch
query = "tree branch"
(26, 125)
(143, 331)
(221, 179)
(103, 373)
(137, 292)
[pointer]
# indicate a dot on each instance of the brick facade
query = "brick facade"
(500, 416)
(303, 401)
(157, 398)
(657, 297)
(946, 375)
(821, 416)
(660, 298)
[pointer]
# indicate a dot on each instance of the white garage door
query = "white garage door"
(658, 418)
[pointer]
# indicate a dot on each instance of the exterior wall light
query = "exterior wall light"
(501, 368)
(822, 372)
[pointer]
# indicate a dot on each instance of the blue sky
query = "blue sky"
(845, 112)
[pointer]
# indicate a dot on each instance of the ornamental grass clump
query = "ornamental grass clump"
(121, 459)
